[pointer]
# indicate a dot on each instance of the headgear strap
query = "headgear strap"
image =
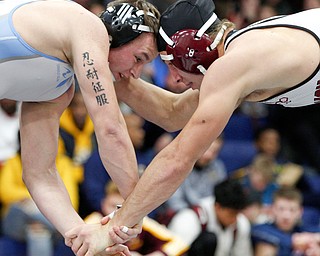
(124, 23)
(187, 63)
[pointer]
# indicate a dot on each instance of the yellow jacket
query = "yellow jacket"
(82, 138)
(13, 189)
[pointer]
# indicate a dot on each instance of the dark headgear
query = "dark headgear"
(182, 35)
(124, 23)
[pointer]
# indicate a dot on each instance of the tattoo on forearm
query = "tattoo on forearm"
(92, 74)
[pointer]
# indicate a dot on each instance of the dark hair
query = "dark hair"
(260, 131)
(230, 194)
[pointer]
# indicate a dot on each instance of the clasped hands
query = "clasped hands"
(306, 243)
(101, 239)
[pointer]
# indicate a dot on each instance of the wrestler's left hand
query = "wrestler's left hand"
(117, 234)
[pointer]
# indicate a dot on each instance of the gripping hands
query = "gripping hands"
(101, 239)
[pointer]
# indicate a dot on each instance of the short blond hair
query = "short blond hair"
(289, 193)
(264, 165)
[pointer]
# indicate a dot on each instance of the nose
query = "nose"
(136, 71)
(175, 75)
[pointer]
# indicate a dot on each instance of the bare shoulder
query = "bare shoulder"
(51, 26)
(261, 60)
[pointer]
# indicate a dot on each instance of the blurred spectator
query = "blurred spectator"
(224, 8)
(266, 11)
(254, 211)
(162, 5)
(96, 6)
(285, 235)
(207, 172)
(22, 221)
(162, 142)
(9, 119)
(283, 6)
(154, 240)
(258, 180)
(92, 187)
(216, 226)
(268, 142)
(9, 127)
(301, 140)
(310, 4)
(77, 131)
(245, 12)
(136, 132)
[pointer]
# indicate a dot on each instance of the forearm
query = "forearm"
(153, 188)
(39, 141)
(118, 157)
(138, 94)
(165, 109)
(52, 199)
(167, 171)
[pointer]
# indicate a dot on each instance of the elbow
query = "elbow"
(26, 177)
(29, 176)
(170, 128)
(109, 128)
(173, 127)
(171, 123)
(111, 139)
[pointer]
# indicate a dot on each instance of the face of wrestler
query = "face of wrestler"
(188, 79)
(287, 213)
(129, 59)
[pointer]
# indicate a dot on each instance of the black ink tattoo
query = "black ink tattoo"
(102, 99)
(86, 59)
(97, 87)
(92, 74)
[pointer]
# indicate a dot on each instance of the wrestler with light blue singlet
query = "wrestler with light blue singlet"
(54, 76)
(44, 45)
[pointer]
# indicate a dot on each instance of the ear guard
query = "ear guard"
(124, 23)
(192, 50)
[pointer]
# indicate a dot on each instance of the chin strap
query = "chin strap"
(202, 69)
